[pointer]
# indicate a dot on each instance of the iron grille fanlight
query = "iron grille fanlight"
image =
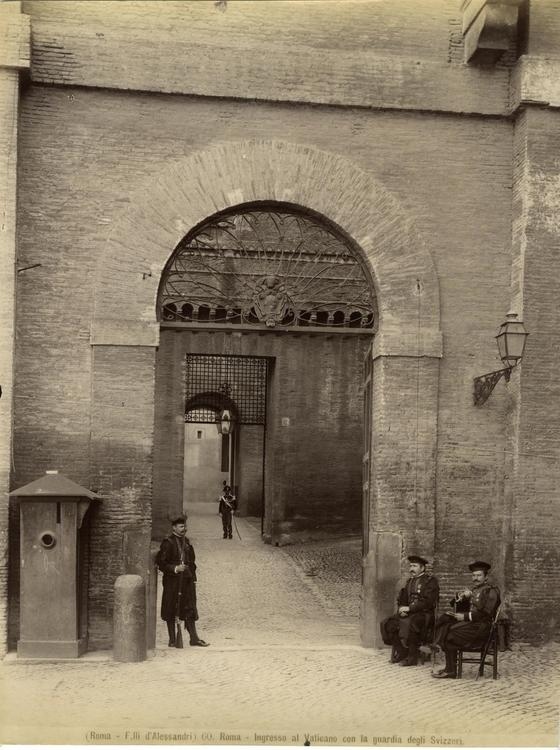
(218, 383)
(266, 267)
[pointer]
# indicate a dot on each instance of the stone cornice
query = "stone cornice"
(489, 29)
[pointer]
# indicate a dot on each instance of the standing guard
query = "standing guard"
(227, 507)
(176, 560)
(416, 604)
(467, 629)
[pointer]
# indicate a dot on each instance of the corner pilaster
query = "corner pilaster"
(15, 50)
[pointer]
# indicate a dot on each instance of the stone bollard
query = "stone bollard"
(129, 619)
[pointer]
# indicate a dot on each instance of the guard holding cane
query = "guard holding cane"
(176, 560)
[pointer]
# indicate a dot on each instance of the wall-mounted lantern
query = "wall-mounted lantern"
(225, 422)
(511, 340)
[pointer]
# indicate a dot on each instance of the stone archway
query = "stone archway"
(195, 187)
(405, 353)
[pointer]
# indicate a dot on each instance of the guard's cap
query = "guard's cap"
(417, 559)
(178, 519)
(480, 565)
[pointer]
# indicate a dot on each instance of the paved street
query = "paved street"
(284, 660)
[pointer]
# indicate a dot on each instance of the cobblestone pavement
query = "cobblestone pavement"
(284, 660)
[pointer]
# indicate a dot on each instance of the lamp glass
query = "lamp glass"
(511, 340)
(224, 423)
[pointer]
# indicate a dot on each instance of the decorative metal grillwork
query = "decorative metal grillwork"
(266, 267)
(215, 382)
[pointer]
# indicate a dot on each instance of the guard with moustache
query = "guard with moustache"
(411, 625)
(471, 628)
(176, 560)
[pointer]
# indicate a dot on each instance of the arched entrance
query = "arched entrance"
(270, 299)
(209, 448)
(403, 367)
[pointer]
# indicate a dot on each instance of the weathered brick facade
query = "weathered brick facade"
(136, 125)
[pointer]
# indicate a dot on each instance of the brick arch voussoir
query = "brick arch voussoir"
(190, 190)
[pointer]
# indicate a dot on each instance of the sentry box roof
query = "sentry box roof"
(53, 484)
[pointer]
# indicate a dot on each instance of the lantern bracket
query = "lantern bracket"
(511, 340)
(485, 384)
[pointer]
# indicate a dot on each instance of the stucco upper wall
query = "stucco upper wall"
(371, 53)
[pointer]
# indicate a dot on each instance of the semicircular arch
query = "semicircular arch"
(191, 189)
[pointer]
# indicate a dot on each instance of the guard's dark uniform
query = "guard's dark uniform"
(406, 634)
(175, 550)
(475, 629)
(228, 504)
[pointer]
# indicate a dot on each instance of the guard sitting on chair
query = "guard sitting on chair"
(410, 626)
(470, 629)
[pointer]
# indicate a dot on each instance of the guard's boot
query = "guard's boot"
(195, 640)
(450, 671)
(399, 652)
(171, 631)
(411, 659)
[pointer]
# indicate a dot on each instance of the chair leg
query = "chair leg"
(495, 666)
(459, 664)
(482, 664)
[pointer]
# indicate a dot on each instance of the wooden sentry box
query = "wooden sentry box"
(54, 538)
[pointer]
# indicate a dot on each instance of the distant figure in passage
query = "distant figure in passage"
(227, 507)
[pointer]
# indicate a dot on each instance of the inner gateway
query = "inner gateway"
(276, 288)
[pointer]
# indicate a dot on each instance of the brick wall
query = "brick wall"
(452, 176)
(544, 28)
(250, 466)
(340, 53)
(534, 425)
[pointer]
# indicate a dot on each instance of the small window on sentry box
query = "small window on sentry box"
(199, 434)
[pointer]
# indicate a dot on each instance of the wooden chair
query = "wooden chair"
(490, 648)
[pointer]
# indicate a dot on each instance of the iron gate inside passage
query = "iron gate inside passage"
(214, 382)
